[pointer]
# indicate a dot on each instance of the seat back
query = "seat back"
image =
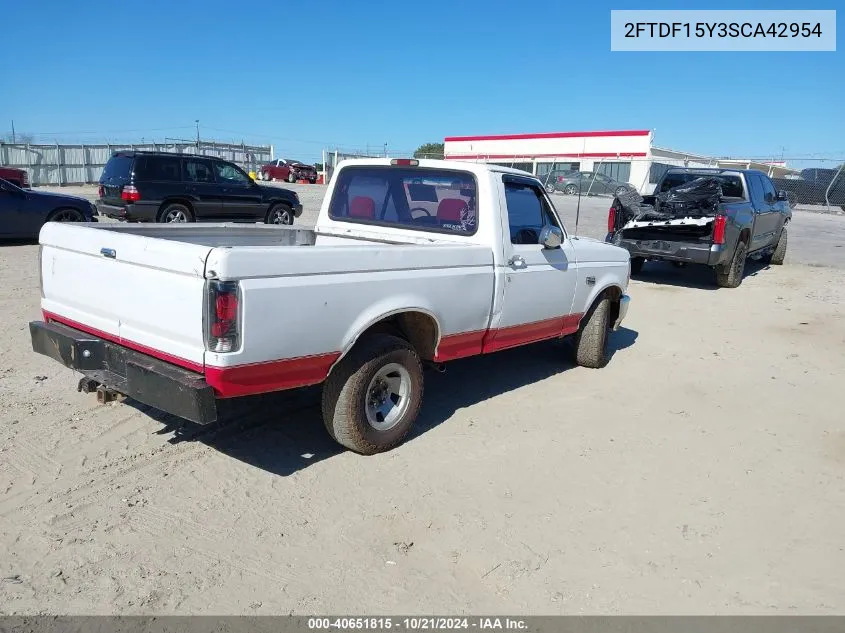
(362, 207)
(450, 210)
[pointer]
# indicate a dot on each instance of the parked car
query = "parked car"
(749, 218)
(18, 177)
(589, 183)
(368, 296)
(168, 187)
(556, 176)
(23, 211)
(290, 170)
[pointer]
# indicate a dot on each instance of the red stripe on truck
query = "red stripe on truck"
(112, 338)
(456, 346)
(277, 375)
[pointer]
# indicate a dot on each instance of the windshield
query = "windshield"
(437, 200)
(731, 184)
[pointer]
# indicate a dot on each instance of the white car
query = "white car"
(411, 263)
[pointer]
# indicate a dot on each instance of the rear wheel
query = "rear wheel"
(730, 275)
(373, 395)
(66, 215)
(291, 177)
(780, 250)
(313, 181)
(175, 212)
(279, 214)
(591, 339)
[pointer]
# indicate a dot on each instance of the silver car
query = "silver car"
(588, 182)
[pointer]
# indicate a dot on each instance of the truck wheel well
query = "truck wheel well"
(615, 295)
(418, 328)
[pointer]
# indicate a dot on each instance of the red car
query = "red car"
(290, 170)
(15, 176)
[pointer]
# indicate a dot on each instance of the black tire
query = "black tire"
(291, 177)
(570, 190)
(637, 265)
(279, 213)
(313, 181)
(779, 253)
(66, 215)
(348, 389)
(175, 209)
(730, 276)
(591, 338)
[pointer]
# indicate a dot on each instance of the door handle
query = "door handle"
(517, 261)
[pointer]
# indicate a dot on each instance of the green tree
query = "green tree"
(429, 150)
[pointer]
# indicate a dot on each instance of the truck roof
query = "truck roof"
(711, 170)
(432, 163)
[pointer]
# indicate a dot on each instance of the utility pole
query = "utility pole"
(197, 121)
(13, 131)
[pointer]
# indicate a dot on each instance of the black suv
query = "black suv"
(168, 187)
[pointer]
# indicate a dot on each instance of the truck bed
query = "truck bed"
(216, 235)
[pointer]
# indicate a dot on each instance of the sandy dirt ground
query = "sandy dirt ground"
(700, 472)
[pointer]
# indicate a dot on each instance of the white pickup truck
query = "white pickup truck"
(410, 263)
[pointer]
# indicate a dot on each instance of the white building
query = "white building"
(624, 155)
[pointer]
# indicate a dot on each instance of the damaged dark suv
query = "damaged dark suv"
(715, 217)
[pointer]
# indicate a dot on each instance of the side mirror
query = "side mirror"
(551, 237)
(782, 195)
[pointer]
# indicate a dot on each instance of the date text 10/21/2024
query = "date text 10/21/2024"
(421, 623)
(722, 29)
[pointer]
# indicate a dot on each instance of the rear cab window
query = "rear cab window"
(731, 183)
(416, 198)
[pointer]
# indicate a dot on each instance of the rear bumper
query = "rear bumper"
(666, 250)
(146, 379)
(131, 211)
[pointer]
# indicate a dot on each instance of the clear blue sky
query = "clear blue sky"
(306, 75)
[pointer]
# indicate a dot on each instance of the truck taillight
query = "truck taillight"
(223, 316)
(611, 219)
(25, 180)
(130, 193)
(719, 229)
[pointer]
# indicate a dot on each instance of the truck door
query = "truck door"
(539, 283)
(761, 209)
(772, 218)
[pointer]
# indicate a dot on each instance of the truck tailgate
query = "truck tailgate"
(137, 290)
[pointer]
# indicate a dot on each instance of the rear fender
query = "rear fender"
(384, 310)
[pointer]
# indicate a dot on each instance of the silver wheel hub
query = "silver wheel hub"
(388, 396)
(176, 216)
(281, 217)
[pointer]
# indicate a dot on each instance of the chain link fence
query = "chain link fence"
(76, 164)
(810, 183)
